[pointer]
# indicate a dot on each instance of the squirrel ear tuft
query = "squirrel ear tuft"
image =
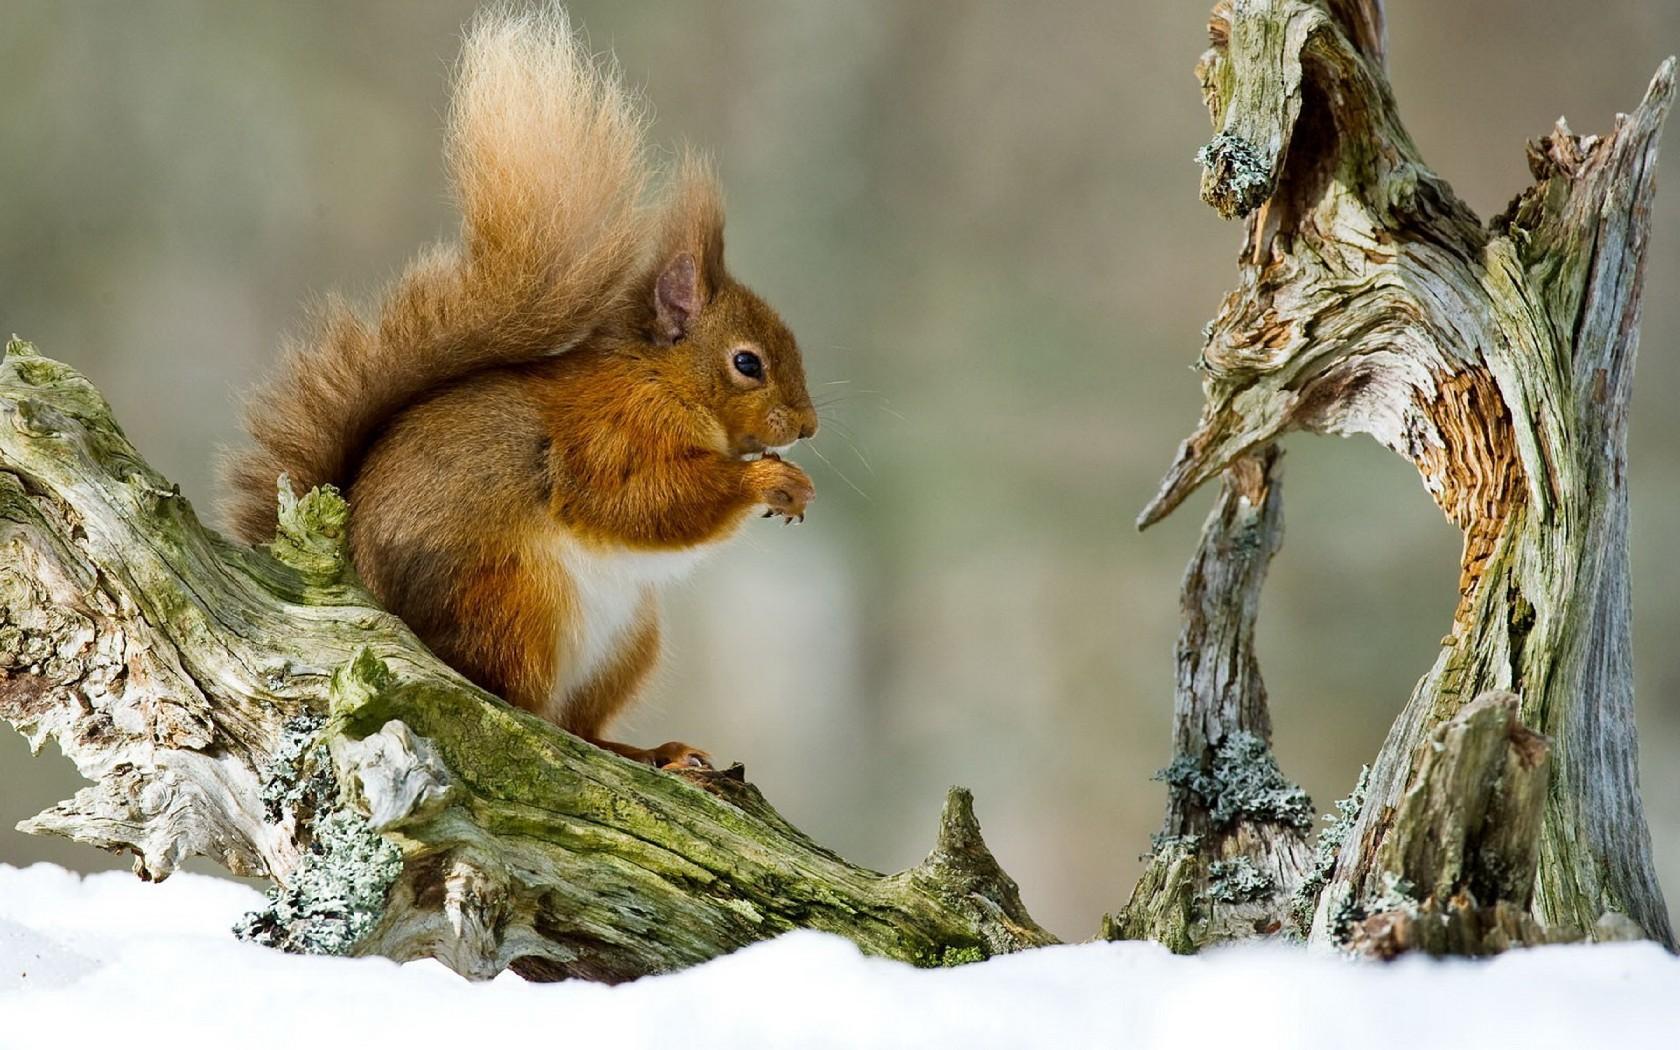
(691, 245)
(676, 297)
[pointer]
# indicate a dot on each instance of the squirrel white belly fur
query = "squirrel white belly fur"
(614, 593)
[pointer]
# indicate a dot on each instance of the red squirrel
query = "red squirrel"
(547, 422)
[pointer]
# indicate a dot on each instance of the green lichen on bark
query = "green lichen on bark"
(1243, 782)
(1236, 177)
(953, 956)
(1331, 840)
(337, 894)
(298, 778)
(356, 686)
(27, 364)
(1237, 881)
(1166, 905)
(335, 898)
(719, 885)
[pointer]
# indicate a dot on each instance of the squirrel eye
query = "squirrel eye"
(748, 364)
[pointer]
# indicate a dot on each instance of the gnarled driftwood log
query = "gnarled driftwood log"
(256, 707)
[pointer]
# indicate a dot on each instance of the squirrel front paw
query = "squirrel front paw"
(780, 486)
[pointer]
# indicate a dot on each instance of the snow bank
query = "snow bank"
(108, 961)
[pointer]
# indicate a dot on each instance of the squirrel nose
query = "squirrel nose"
(808, 426)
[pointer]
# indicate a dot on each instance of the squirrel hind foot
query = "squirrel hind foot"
(673, 754)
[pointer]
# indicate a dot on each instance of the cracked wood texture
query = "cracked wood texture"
(255, 707)
(1498, 358)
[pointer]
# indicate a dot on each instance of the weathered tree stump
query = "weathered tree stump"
(1498, 358)
(1467, 830)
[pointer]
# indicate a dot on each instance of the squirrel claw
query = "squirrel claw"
(781, 488)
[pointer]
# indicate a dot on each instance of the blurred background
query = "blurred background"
(981, 219)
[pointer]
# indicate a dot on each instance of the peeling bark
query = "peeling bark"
(256, 707)
(1497, 358)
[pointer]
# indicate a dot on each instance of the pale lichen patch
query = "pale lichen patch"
(1237, 881)
(298, 777)
(1235, 177)
(336, 896)
(1243, 782)
(337, 893)
(1331, 840)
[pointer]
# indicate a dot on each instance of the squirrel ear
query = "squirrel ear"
(676, 297)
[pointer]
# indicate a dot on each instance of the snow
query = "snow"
(108, 960)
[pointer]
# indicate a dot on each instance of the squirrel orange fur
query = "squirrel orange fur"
(548, 421)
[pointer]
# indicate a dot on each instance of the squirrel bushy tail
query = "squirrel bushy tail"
(549, 164)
